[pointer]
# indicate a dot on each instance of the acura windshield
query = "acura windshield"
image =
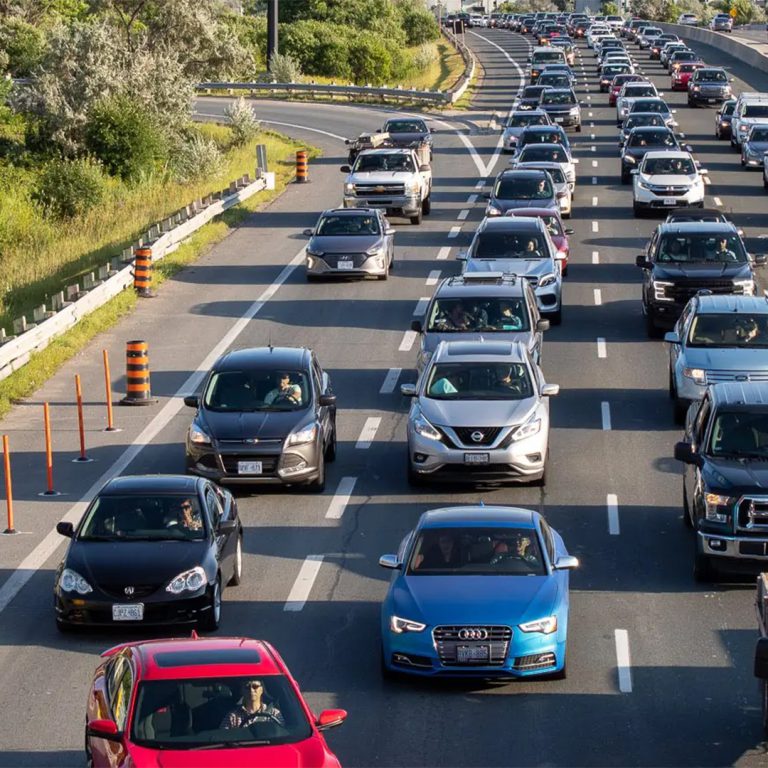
(740, 433)
(257, 390)
(478, 381)
(729, 330)
(484, 313)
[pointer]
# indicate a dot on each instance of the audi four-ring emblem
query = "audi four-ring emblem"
(473, 633)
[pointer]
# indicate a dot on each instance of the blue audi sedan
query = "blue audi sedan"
(477, 591)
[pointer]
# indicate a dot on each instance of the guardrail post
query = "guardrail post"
(261, 160)
(9, 530)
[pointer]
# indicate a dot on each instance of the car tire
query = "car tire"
(637, 211)
(702, 568)
(578, 128)
(237, 574)
(330, 451)
(213, 617)
(417, 218)
(679, 409)
(385, 276)
(765, 182)
(312, 278)
(625, 177)
(318, 484)
(556, 318)
(764, 697)
(650, 328)
(426, 206)
(687, 521)
(65, 628)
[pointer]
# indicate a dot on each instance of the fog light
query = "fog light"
(718, 545)
(419, 458)
(300, 467)
(533, 458)
(546, 658)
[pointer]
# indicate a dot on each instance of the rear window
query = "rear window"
(542, 57)
(755, 110)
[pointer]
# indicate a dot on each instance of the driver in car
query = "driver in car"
(722, 251)
(252, 708)
(507, 381)
(285, 391)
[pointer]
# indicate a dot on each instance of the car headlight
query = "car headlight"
(698, 375)
(747, 286)
(574, 111)
(412, 187)
(629, 160)
(398, 625)
(546, 626)
(189, 581)
(547, 279)
(492, 210)
(642, 184)
(744, 128)
(306, 434)
(349, 189)
(529, 429)
(376, 250)
(198, 435)
(659, 290)
(696, 87)
(422, 427)
(718, 507)
(313, 251)
(72, 581)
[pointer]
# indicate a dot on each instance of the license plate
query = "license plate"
(711, 101)
(346, 265)
(559, 119)
(473, 653)
(477, 458)
(132, 612)
(669, 201)
(249, 468)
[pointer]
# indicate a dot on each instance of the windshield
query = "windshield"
(740, 433)
(509, 245)
(522, 119)
(729, 330)
(143, 518)
(674, 166)
(533, 91)
(478, 381)
(728, 108)
(554, 79)
(209, 712)
(653, 105)
(475, 551)
(386, 162)
(406, 126)
(558, 97)
(708, 76)
(348, 225)
(539, 136)
(257, 390)
(543, 153)
(635, 91)
(558, 177)
(698, 248)
(523, 189)
(613, 69)
(477, 314)
(755, 110)
(684, 56)
(647, 118)
(758, 134)
(660, 138)
(541, 57)
(688, 67)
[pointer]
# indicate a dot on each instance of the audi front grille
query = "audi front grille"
(449, 639)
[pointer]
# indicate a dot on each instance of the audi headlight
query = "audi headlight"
(697, 375)
(198, 435)
(422, 427)
(546, 626)
(398, 625)
(72, 581)
(529, 429)
(189, 581)
(747, 286)
(547, 279)
(659, 290)
(718, 507)
(349, 189)
(306, 434)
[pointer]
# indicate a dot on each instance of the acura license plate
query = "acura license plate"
(248, 467)
(132, 612)
(477, 458)
(669, 201)
(346, 264)
(472, 653)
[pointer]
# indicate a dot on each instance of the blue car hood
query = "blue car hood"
(741, 359)
(475, 599)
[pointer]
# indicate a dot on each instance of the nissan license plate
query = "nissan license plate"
(346, 265)
(249, 468)
(669, 201)
(132, 612)
(477, 458)
(473, 653)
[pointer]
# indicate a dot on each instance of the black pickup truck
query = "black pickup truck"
(725, 486)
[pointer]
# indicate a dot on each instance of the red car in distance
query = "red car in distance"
(554, 224)
(683, 74)
(617, 82)
(202, 703)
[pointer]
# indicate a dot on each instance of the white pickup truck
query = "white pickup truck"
(393, 179)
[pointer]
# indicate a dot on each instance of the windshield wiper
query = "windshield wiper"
(229, 744)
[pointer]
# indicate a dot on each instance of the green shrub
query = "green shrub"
(197, 158)
(370, 60)
(419, 25)
(284, 69)
(242, 120)
(125, 138)
(69, 188)
(23, 43)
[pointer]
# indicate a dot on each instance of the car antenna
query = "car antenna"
(481, 503)
(269, 343)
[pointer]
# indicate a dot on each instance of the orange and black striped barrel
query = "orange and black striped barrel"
(302, 167)
(138, 390)
(142, 273)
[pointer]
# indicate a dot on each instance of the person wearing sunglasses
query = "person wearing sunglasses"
(187, 517)
(252, 708)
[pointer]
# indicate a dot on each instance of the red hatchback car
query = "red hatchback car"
(554, 224)
(683, 74)
(202, 703)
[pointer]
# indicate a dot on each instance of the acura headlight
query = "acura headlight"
(399, 625)
(306, 434)
(718, 507)
(747, 286)
(697, 375)
(189, 581)
(547, 279)
(198, 435)
(422, 427)
(629, 160)
(546, 626)
(529, 429)
(349, 189)
(72, 581)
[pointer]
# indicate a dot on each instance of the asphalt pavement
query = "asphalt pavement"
(659, 668)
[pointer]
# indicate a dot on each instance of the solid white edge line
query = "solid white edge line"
(433, 277)
(368, 432)
(602, 350)
(605, 414)
(390, 381)
(297, 597)
(612, 503)
(623, 664)
(341, 498)
(442, 254)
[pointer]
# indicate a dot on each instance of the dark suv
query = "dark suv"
(685, 258)
(725, 452)
(265, 415)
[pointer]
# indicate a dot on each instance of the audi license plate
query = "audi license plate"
(669, 201)
(132, 612)
(248, 467)
(346, 264)
(477, 458)
(466, 653)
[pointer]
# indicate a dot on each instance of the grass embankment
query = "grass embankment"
(115, 227)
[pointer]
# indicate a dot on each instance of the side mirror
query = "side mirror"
(732, 80)
(227, 526)
(330, 718)
(568, 231)
(408, 390)
(486, 195)
(345, 169)
(761, 658)
(424, 167)
(65, 529)
(542, 325)
(684, 452)
(327, 400)
(461, 256)
(417, 326)
(761, 259)
(566, 563)
(389, 561)
(104, 729)
(702, 171)
(672, 338)
(550, 390)
(308, 233)
(192, 401)
(673, 111)
(642, 261)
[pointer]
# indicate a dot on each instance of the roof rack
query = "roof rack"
(486, 278)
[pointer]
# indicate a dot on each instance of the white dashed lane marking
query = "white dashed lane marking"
(602, 351)
(341, 498)
(301, 588)
(605, 414)
(390, 381)
(612, 503)
(443, 253)
(454, 232)
(623, 661)
(433, 277)
(368, 433)
(408, 338)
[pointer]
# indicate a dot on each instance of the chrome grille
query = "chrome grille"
(714, 377)
(384, 190)
(753, 513)
(683, 291)
(487, 435)
(668, 191)
(448, 640)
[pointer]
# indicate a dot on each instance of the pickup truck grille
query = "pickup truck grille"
(449, 639)
(379, 190)
(713, 377)
(753, 514)
(683, 291)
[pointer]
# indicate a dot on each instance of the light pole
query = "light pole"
(272, 42)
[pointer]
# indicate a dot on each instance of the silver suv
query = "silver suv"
(479, 413)
(482, 305)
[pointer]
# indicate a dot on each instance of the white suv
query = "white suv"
(667, 179)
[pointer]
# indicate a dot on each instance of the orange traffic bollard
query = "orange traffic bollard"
(302, 167)
(138, 390)
(8, 486)
(142, 273)
(48, 452)
(82, 458)
(108, 389)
